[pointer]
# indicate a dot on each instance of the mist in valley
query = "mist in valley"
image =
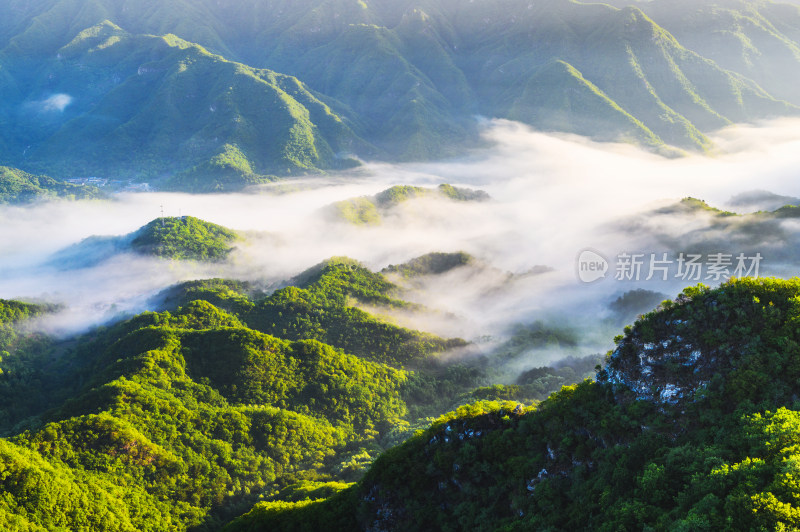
(552, 197)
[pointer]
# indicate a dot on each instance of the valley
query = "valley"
(399, 265)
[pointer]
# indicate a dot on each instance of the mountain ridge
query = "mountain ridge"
(691, 424)
(311, 87)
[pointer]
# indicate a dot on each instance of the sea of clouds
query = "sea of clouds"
(553, 196)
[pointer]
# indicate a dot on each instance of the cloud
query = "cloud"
(553, 197)
(56, 103)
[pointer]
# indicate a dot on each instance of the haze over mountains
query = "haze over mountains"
(215, 95)
(352, 297)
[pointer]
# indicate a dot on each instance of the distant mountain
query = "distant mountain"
(17, 186)
(430, 264)
(184, 238)
(761, 200)
(153, 106)
(212, 95)
(370, 210)
(770, 233)
(758, 40)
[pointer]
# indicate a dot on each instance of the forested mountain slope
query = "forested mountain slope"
(217, 95)
(182, 418)
(692, 425)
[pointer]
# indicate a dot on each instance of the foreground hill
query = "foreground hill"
(180, 419)
(692, 425)
(212, 96)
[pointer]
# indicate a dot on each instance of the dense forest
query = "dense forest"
(186, 417)
(691, 425)
(184, 238)
(174, 374)
(317, 414)
(122, 89)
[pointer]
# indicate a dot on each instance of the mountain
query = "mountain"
(209, 95)
(691, 425)
(371, 210)
(768, 232)
(737, 35)
(430, 264)
(178, 419)
(761, 200)
(297, 410)
(184, 238)
(18, 187)
(149, 100)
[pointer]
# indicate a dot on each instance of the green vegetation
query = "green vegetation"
(205, 96)
(694, 205)
(188, 417)
(462, 194)
(193, 416)
(546, 105)
(693, 425)
(232, 296)
(633, 303)
(23, 352)
(236, 408)
(715, 231)
(324, 307)
(369, 210)
(159, 116)
(227, 171)
(184, 238)
(358, 211)
(14, 311)
(431, 264)
(17, 186)
(399, 194)
(178, 414)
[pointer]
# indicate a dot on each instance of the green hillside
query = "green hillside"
(737, 35)
(763, 232)
(184, 238)
(622, 73)
(438, 393)
(182, 419)
(150, 100)
(206, 96)
(692, 425)
(430, 264)
(17, 187)
(370, 210)
(584, 109)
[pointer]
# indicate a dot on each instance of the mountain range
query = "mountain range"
(216, 95)
(229, 402)
(179, 374)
